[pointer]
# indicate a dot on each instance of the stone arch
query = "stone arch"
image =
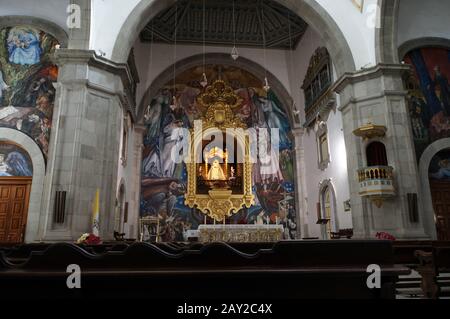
(48, 27)
(426, 199)
(223, 59)
(312, 12)
(408, 46)
(386, 34)
(323, 186)
(36, 219)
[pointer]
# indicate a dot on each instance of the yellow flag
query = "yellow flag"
(96, 214)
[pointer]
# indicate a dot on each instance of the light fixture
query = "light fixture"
(234, 51)
(174, 99)
(266, 86)
(204, 80)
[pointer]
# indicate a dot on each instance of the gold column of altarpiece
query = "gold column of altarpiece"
(219, 100)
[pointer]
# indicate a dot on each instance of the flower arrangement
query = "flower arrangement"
(89, 239)
(385, 236)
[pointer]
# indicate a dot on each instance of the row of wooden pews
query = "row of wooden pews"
(430, 260)
(284, 270)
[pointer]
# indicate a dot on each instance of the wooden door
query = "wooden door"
(14, 201)
(441, 202)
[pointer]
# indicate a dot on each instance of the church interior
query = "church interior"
(183, 143)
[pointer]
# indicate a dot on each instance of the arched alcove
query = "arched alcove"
(217, 59)
(36, 222)
(426, 200)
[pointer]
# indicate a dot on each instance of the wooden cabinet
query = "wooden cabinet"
(14, 201)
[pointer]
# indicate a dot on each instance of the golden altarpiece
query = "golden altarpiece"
(219, 176)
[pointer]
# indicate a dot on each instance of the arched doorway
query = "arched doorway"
(328, 216)
(439, 176)
(16, 175)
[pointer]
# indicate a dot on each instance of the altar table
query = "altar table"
(240, 233)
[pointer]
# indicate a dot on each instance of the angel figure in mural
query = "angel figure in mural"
(18, 164)
(275, 117)
(3, 87)
(173, 138)
(4, 168)
(444, 170)
(153, 115)
(24, 47)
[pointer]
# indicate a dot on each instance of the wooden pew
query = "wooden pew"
(292, 270)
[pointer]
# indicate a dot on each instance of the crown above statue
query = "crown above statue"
(219, 91)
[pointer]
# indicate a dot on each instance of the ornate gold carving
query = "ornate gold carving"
(369, 131)
(219, 203)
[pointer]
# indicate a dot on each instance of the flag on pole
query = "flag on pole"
(96, 214)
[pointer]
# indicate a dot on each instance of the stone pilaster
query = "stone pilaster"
(85, 141)
(300, 183)
(377, 95)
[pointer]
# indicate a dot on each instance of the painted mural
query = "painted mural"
(27, 75)
(14, 161)
(440, 166)
(429, 98)
(164, 182)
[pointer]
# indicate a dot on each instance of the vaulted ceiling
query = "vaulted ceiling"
(253, 20)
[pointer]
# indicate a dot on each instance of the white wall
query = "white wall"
(418, 19)
(51, 10)
(337, 169)
(164, 57)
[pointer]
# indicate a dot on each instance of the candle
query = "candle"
(205, 220)
(268, 220)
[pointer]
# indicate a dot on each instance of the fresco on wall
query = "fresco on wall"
(429, 98)
(14, 161)
(440, 166)
(164, 182)
(27, 75)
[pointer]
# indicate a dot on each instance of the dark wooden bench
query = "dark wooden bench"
(431, 259)
(285, 270)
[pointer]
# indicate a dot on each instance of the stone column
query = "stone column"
(377, 95)
(85, 141)
(300, 186)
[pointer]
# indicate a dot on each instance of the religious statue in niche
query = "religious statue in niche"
(220, 184)
(165, 181)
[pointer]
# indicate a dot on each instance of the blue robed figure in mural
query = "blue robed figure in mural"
(24, 48)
